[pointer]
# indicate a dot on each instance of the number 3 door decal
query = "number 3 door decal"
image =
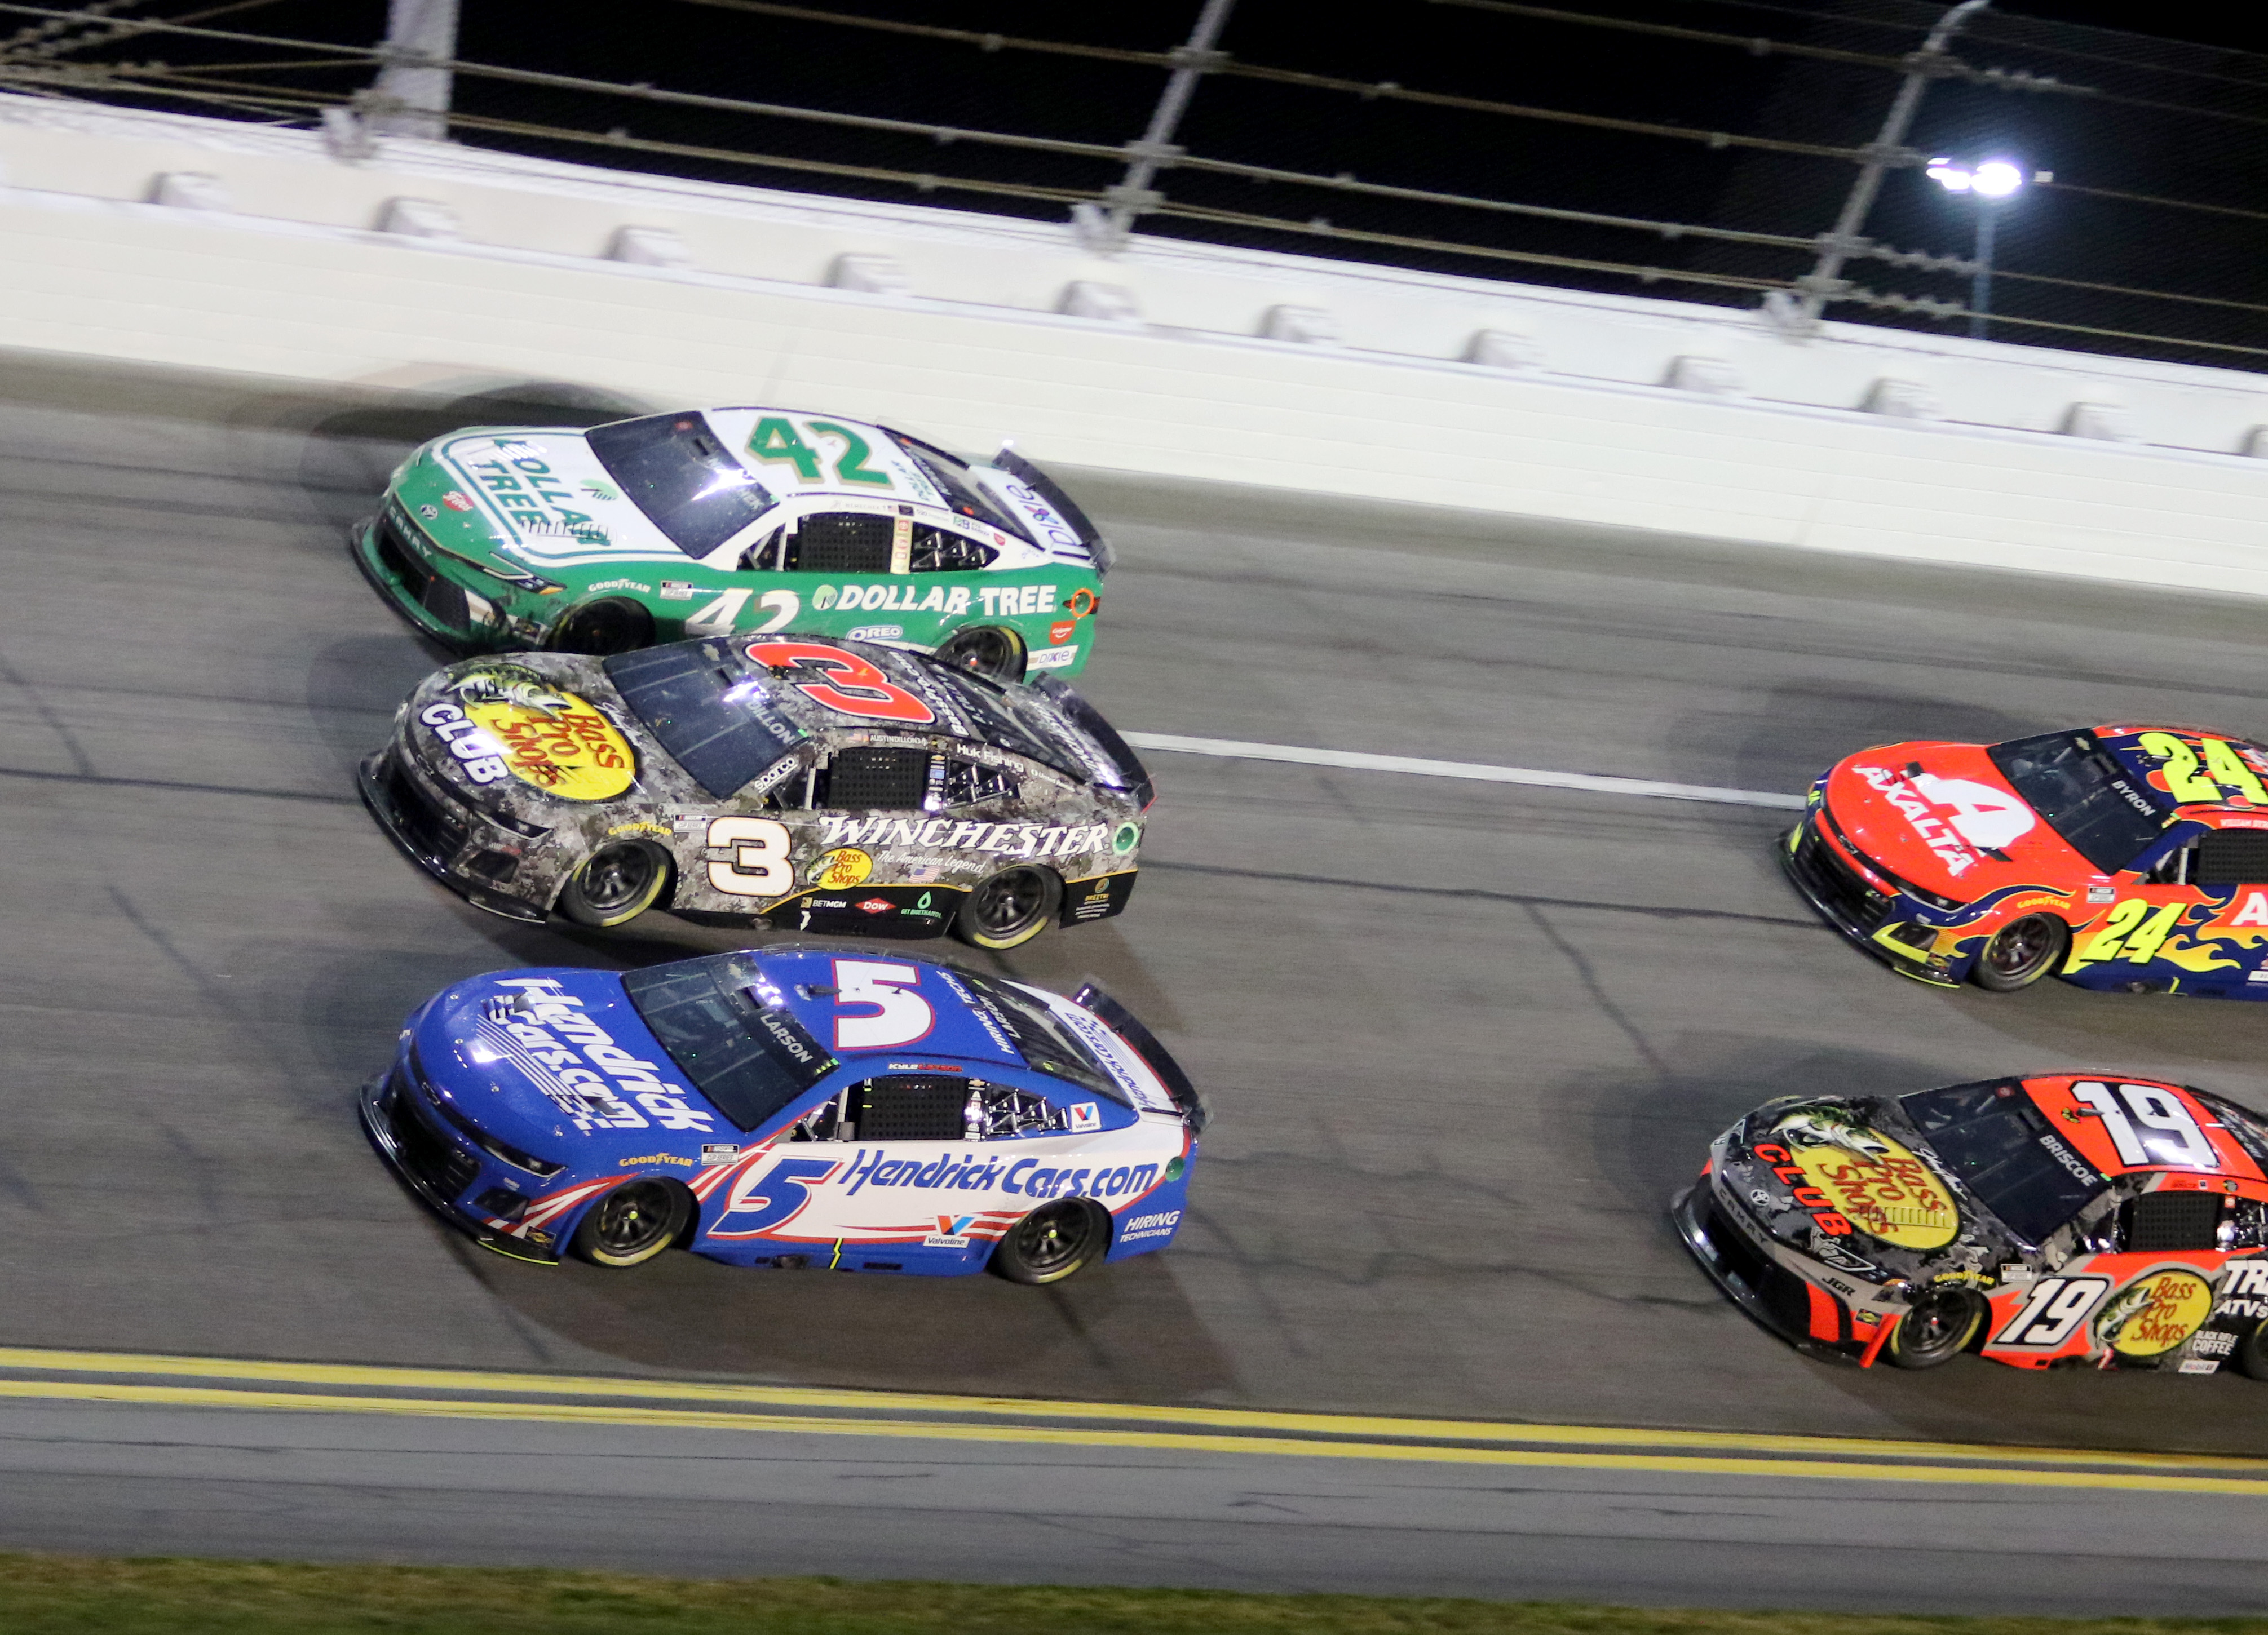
(842, 681)
(759, 865)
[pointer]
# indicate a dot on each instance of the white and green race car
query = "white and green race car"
(713, 521)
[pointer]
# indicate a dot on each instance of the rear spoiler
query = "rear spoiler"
(1063, 505)
(1089, 721)
(1092, 999)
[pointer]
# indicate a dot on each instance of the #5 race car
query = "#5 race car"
(840, 786)
(2119, 857)
(2063, 1221)
(725, 520)
(791, 1108)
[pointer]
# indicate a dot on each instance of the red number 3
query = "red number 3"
(844, 681)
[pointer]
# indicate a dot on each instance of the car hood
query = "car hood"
(1942, 816)
(556, 1062)
(537, 497)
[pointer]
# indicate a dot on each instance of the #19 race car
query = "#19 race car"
(839, 787)
(2063, 1221)
(725, 520)
(2120, 857)
(791, 1108)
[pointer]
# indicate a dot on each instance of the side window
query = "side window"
(841, 542)
(873, 777)
(764, 555)
(2231, 857)
(2177, 866)
(941, 551)
(968, 784)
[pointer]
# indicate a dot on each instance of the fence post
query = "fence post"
(1106, 234)
(1825, 280)
(411, 99)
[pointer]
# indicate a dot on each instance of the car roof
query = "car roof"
(902, 480)
(959, 1029)
(2086, 1126)
(2123, 740)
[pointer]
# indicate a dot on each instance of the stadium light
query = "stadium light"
(1991, 184)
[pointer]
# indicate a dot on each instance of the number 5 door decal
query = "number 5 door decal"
(2058, 1306)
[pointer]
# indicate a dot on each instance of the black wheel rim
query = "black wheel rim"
(633, 1219)
(1007, 903)
(1054, 1240)
(1937, 1327)
(597, 631)
(617, 878)
(2021, 948)
(986, 652)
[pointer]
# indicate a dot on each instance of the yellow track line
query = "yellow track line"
(1168, 1442)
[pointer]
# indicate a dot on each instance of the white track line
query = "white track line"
(1233, 750)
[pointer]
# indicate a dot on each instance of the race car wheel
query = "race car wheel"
(1936, 1329)
(2020, 953)
(1009, 909)
(1053, 1242)
(616, 883)
(633, 1223)
(986, 649)
(2252, 1351)
(611, 625)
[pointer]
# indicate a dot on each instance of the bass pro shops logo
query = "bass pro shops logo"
(1956, 817)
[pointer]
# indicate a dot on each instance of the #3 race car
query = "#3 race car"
(840, 786)
(791, 1108)
(725, 520)
(2063, 1221)
(2119, 857)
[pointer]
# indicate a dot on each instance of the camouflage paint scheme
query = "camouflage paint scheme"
(505, 775)
(1828, 1218)
(507, 530)
(1941, 818)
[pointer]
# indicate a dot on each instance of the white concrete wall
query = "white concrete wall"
(274, 263)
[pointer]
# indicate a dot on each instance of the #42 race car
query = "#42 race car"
(791, 1108)
(735, 520)
(817, 786)
(2119, 857)
(2069, 1219)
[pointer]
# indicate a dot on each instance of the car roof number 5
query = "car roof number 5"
(900, 1015)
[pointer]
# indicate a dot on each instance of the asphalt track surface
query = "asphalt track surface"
(1463, 1038)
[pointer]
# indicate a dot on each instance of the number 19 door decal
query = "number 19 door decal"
(2053, 1313)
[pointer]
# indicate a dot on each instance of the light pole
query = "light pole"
(1992, 184)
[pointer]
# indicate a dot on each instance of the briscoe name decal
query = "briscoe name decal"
(1015, 840)
(586, 1096)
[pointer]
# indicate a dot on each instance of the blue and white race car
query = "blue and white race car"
(791, 1107)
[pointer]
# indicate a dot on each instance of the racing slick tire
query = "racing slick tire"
(616, 883)
(633, 1223)
(1009, 909)
(2020, 953)
(1936, 1329)
(1054, 1242)
(610, 625)
(2252, 1353)
(986, 649)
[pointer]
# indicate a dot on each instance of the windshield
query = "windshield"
(950, 476)
(703, 704)
(1045, 1044)
(672, 467)
(2084, 794)
(2000, 1147)
(749, 1059)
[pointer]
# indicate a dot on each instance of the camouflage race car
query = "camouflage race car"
(735, 520)
(2063, 1221)
(2120, 857)
(840, 786)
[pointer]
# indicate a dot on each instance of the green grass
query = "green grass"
(56, 1595)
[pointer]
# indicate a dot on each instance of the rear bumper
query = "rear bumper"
(378, 1117)
(1730, 1267)
(371, 781)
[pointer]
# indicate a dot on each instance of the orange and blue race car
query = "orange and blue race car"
(2129, 858)
(2065, 1221)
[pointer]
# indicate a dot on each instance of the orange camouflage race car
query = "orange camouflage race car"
(2063, 1221)
(2123, 857)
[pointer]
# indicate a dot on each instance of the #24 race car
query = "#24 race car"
(817, 786)
(2119, 857)
(791, 1108)
(2065, 1221)
(735, 520)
